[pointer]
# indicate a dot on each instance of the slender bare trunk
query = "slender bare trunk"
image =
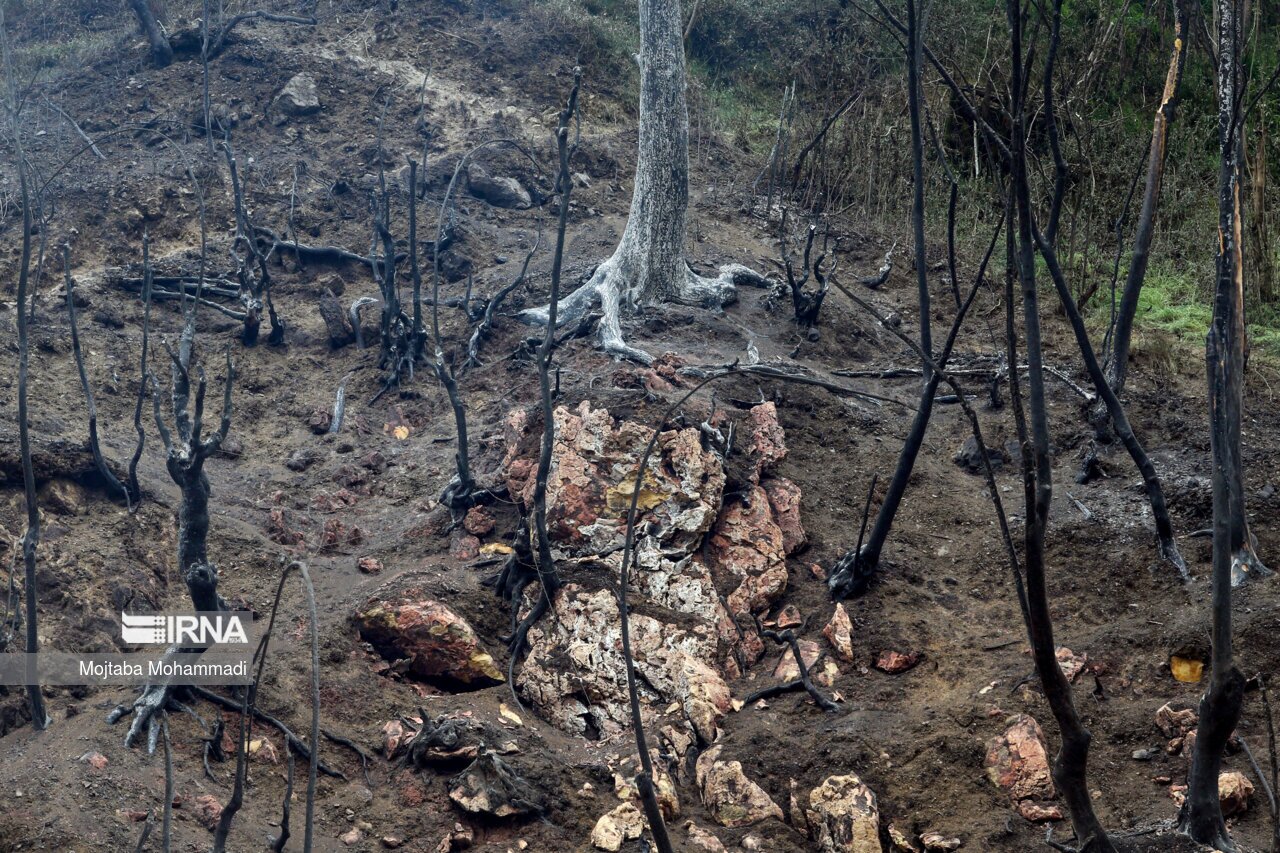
(1128, 308)
(161, 51)
(1220, 706)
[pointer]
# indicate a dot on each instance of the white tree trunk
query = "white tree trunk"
(648, 266)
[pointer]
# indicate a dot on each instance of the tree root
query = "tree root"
(610, 287)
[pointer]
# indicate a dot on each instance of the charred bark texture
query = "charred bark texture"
(1071, 764)
(1142, 237)
(1221, 704)
(161, 51)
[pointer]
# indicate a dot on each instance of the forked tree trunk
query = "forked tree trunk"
(1142, 237)
(648, 265)
(161, 51)
(1220, 706)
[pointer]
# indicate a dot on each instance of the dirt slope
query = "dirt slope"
(917, 738)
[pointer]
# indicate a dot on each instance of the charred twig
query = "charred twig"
(278, 843)
(104, 471)
(882, 274)
(804, 682)
(481, 331)
(296, 743)
(135, 490)
(246, 712)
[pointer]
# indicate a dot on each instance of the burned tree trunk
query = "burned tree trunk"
(95, 447)
(186, 451)
(31, 538)
(649, 264)
(1128, 307)
(1071, 764)
(1220, 706)
(161, 51)
(852, 572)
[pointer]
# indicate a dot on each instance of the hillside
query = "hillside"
(360, 505)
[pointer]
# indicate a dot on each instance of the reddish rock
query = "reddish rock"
(465, 546)
(839, 633)
(1017, 763)
(1038, 813)
(895, 662)
(207, 810)
(369, 565)
(787, 670)
(1071, 663)
(319, 421)
(768, 444)
(394, 736)
(333, 534)
(784, 500)
(479, 521)
(789, 617)
(746, 551)
(438, 642)
(96, 760)
(279, 531)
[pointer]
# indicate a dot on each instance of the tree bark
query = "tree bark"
(1071, 764)
(648, 265)
(161, 51)
(1220, 706)
(1142, 237)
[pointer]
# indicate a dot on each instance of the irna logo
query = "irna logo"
(187, 629)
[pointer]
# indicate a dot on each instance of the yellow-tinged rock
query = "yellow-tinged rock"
(1186, 670)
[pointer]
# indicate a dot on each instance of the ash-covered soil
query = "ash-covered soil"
(917, 738)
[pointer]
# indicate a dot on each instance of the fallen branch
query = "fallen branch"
(804, 682)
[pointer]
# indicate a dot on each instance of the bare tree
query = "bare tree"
(1165, 113)
(1070, 766)
(186, 449)
(31, 538)
(649, 263)
(1221, 704)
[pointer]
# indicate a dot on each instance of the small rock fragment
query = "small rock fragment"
(369, 565)
(352, 836)
(207, 811)
(622, 824)
(839, 633)
(700, 839)
(789, 617)
(1037, 813)
(936, 842)
(1175, 723)
(895, 662)
(96, 760)
(731, 798)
